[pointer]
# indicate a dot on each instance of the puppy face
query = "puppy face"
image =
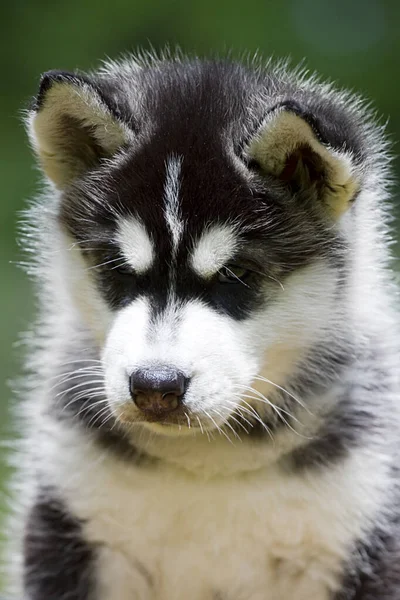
(207, 246)
(222, 301)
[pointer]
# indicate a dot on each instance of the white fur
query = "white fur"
(136, 244)
(171, 196)
(215, 247)
(252, 535)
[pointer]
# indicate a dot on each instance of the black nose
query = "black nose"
(157, 390)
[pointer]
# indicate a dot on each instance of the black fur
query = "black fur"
(58, 562)
(374, 571)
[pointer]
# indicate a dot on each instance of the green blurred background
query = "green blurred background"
(354, 42)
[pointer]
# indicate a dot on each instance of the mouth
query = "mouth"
(181, 421)
(178, 419)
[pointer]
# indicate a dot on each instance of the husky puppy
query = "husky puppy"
(212, 399)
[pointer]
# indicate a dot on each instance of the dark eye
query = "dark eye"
(233, 274)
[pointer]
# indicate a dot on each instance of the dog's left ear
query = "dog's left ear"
(289, 146)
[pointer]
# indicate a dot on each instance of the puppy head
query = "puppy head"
(201, 217)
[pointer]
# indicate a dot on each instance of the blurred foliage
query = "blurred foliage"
(354, 42)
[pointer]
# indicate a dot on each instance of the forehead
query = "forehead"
(186, 211)
(203, 184)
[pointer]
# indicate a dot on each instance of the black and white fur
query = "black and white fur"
(277, 478)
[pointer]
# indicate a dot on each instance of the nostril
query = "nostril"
(158, 389)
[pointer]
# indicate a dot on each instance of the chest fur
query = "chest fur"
(235, 540)
(166, 535)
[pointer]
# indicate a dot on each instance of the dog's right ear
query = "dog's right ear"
(72, 127)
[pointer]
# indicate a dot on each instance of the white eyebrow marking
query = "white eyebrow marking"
(216, 246)
(171, 198)
(135, 243)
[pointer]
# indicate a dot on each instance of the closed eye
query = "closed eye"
(233, 274)
(124, 268)
(116, 264)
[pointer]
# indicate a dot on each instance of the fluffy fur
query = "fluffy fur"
(228, 221)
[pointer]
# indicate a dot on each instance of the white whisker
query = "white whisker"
(279, 387)
(227, 424)
(221, 431)
(79, 385)
(86, 371)
(200, 424)
(89, 394)
(258, 419)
